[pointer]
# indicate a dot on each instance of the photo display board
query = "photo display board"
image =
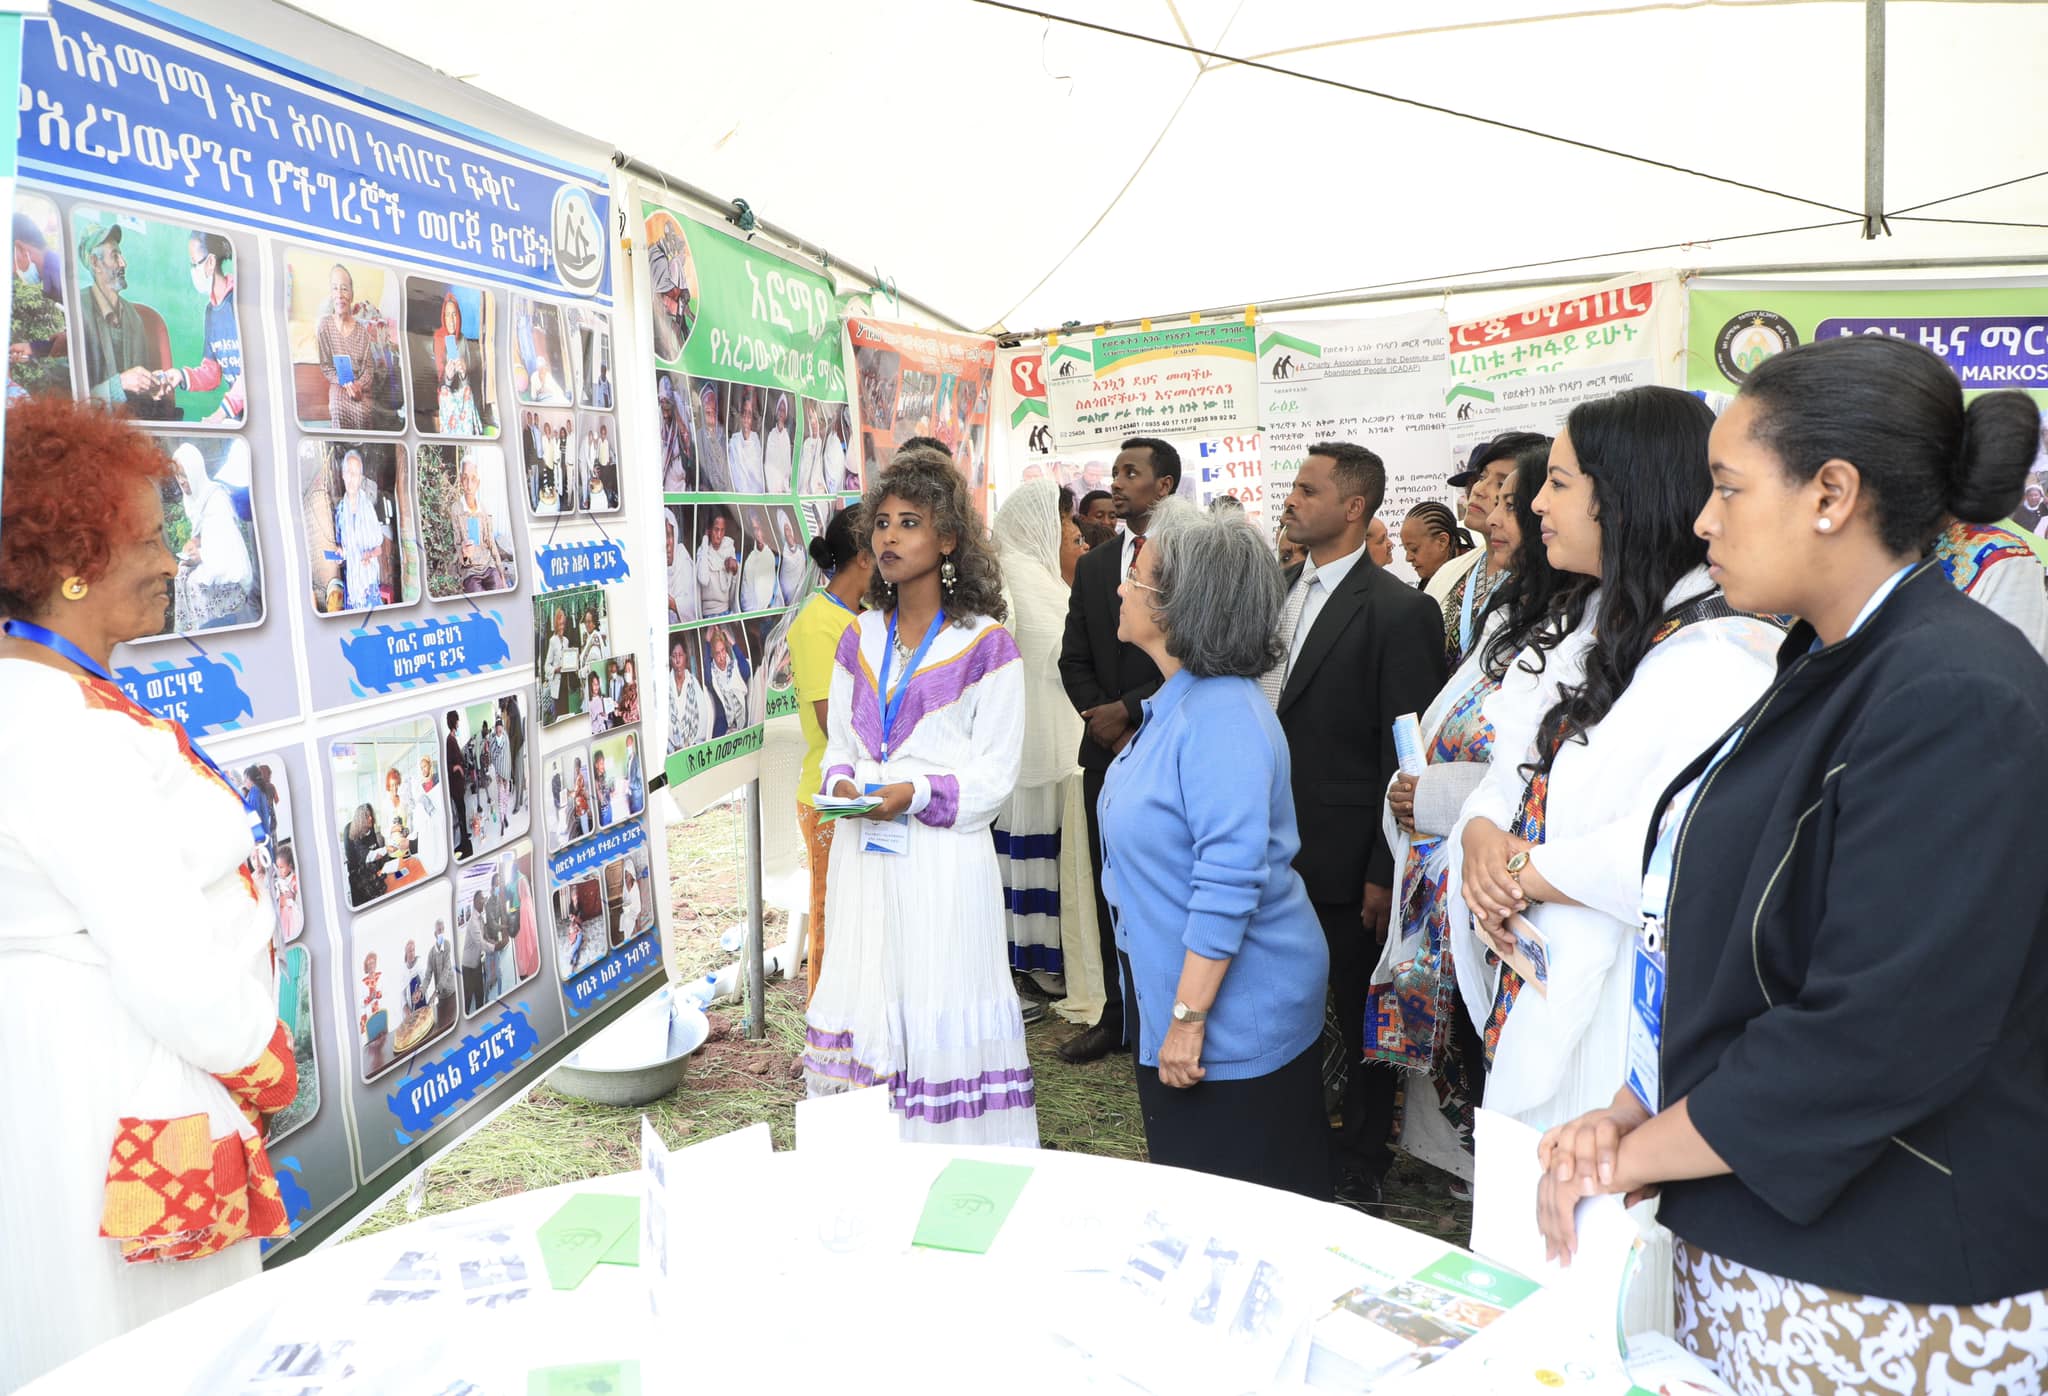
(757, 453)
(378, 349)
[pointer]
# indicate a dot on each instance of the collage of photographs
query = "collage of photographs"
(571, 644)
(592, 786)
(441, 793)
(736, 438)
(900, 400)
(601, 911)
(568, 432)
(733, 559)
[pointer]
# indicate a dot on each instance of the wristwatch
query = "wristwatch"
(1183, 1014)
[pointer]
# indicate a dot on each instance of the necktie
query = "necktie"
(1137, 547)
(1274, 680)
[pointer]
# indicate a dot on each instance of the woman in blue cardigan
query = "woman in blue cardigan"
(1228, 965)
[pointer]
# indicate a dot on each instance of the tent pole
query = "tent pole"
(1873, 120)
(821, 256)
(756, 952)
(1584, 278)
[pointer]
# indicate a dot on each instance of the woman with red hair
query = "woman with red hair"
(140, 1002)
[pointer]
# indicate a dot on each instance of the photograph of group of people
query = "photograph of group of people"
(709, 671)
(571, 636)
(263, 779)
(210, 528)
(465, 520)
(571, 461)
(497, 928)
(158, 322)
(451, 331)
(342, 323)
(593, 787)
(355, 500)
(391, 808)
(602, 910)
(401, 960)
(611, 693)
(484, 754)
(732, 559)
(727, 438)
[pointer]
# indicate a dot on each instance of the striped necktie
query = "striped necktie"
(1274, 680)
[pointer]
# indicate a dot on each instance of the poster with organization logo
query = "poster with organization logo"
(1525, 369)
(757, 450)
(1378, 383)
(923, 383)
(1193, 381)
(337, 318)
(1993, 335)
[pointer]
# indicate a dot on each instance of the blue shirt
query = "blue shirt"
(1198, 845)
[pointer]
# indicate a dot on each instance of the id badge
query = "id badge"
(884, 835)
(1646, 1015)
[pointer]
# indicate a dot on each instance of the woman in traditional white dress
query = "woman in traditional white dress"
(790, 579)
(776, 451)
(726, 671)
(758, 572)
(836, 428)
(1642, 666)
(558, 670)
(682, 570)
(1029, 532)
(360, 527)
(927, 710)
(689, 706)
(744, 452)
(811, 465)
(215, 575)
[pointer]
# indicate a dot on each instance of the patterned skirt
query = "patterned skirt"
(1767, 1335)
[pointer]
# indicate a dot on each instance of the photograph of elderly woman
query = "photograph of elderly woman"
(497, 928)
(628, 896)
(582, 937)
(157, 318)
(451, 333)
(341, 322)
(391, 807)
(209, 528)
(402, 980)
(465, 521)
(355, 503)
(540, 354)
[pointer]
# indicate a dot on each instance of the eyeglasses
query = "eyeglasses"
(1132, 580)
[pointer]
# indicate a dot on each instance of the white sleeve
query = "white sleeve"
(972, 796)
(2017, 590)
(1682, 700)
(841, 747)
(176, 964)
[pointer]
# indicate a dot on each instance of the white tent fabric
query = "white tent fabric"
(1017, 172)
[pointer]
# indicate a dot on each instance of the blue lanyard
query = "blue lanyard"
(51, 640)
(892, 703)
(1657, 877)
(840, 604)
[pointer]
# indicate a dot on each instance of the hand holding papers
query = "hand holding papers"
(831, 807)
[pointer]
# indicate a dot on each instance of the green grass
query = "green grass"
(549, 1138)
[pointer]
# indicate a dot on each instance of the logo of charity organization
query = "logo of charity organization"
(1750, 338)
(578, 237)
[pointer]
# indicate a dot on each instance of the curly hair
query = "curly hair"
(929, 480)
(70, 502)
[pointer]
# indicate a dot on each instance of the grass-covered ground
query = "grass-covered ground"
(550, 1138)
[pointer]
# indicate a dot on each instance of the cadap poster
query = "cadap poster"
(757, 452)
(919, 382)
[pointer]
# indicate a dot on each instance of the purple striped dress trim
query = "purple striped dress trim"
(944, 806)
(932, 688)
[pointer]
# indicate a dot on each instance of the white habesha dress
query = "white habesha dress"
(916, 993)
(134, 967)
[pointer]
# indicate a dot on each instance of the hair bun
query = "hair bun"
(821, 554)
(2001, 440)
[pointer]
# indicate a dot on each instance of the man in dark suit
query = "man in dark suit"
(1362, 648)
(1107, 680)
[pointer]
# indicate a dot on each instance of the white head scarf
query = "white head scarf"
(1028, 532)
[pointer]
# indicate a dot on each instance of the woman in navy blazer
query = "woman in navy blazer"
(1228, 965)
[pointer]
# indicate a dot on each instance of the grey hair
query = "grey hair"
(1220, 590)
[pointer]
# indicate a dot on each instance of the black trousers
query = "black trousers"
(1115, 969)
(1367, 1107)
(1267, 1129)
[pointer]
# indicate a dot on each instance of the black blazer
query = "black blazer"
(1857, 964)
(1095, 666)
(1376, 651)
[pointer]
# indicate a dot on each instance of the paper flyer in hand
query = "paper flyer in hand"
(1531, 957)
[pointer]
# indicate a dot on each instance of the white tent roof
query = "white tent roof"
(1014, 171)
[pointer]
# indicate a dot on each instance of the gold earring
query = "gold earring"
(74, 588)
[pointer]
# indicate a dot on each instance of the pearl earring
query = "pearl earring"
(1824, 525)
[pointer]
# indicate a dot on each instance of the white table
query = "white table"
(797, 1274)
